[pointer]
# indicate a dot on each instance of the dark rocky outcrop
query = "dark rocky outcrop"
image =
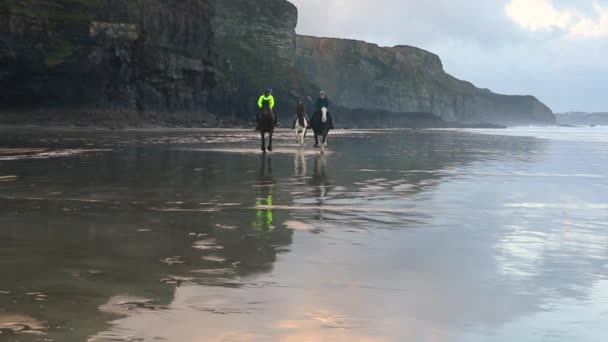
(101, 61)
(407, 79)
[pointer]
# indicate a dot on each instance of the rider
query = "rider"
(323, 101)
(267, 96)
(300, 110)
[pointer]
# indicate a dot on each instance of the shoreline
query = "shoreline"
(71, 127)
(223, 129)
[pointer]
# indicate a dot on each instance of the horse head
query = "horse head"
(324, 114)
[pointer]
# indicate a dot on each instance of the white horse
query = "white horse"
(301, 128)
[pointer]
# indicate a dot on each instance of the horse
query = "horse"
(266, 124)
(301, 128)
(320, 126)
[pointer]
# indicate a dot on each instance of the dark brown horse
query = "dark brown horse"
(266, 124)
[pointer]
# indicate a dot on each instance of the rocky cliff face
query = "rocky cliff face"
(266, 28)
(107, 60)
(407, 79)
(254, 49)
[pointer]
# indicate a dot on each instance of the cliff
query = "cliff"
(205, 62)
(407, 79)
(104, 61)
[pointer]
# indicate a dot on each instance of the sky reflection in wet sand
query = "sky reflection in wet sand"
(405, 235)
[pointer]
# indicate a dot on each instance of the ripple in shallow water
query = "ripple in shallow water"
(207, 245)
(125, 305)
(298, 225)
(8, 178)
(572, 206)
(53, 154)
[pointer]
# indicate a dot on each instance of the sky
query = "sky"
(556, 50)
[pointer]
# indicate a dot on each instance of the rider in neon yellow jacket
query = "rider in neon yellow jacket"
(267, 96)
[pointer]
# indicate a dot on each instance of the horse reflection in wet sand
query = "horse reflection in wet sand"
(321, 126)
(266, 124)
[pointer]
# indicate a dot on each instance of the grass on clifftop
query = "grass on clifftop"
(69, 10)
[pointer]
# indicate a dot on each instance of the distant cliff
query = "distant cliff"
(582, 118)
(407, 79)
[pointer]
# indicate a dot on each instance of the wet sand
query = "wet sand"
(194, 235)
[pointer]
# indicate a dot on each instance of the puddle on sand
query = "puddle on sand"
(298, 225)
(207, 245)
(214, 258)
(5, 151)
(17, 324)
(177, 260)
(50, 154)
(224, 272)
(125, 305)
(308, 152)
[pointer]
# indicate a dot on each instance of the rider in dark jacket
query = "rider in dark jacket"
(323, 101)
(300, 110)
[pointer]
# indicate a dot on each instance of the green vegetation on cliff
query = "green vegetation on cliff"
(68, 10)
(59, 53)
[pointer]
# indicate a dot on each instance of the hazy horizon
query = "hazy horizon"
(551, 49)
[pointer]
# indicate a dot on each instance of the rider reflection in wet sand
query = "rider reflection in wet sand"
(264, 216)
(264, 201)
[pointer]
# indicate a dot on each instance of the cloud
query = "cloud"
(538, 14)
(588, 27)
(545, 15)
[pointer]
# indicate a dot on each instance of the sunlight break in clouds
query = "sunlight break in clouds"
(593, 28)
(538, 15)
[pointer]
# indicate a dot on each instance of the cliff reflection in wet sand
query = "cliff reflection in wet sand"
(193, 236)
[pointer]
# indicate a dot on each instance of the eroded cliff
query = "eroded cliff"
(407, 79)
(100, 61)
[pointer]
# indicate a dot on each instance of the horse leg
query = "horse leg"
(316, 140)
(270, 140)
(323, 143)
(263, 142)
